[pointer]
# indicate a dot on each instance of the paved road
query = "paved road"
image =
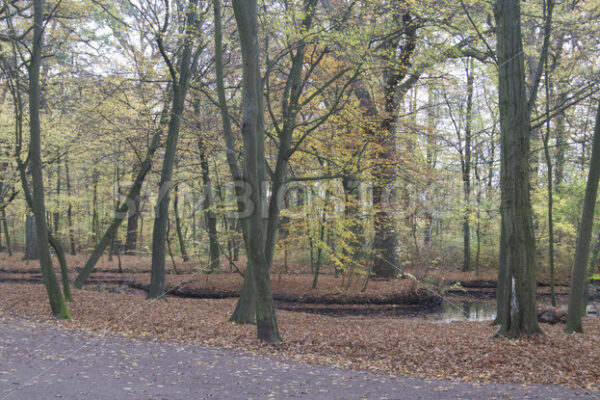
(46, 362)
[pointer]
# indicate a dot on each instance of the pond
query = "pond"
(462, 308)
(485, 310)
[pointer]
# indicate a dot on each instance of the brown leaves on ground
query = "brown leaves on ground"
(461, 350)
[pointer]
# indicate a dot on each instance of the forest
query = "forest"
(252, 174)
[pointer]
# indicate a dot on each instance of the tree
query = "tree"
(518, 314)
(57, 303)
(210, 217)
(180, 74)
(577, 293)
(257, 272)
(123, 209)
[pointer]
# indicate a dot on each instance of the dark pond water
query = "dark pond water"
(452, 309)
(485, 310)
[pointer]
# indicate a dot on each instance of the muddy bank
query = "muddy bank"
(422, 297)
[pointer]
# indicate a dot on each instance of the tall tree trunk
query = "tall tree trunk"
(56, 214)
(70, 210)
(582, 252)
(320, 247)
(254, 163)
(6, 236)
(549, 188)
(466, 172)
(561, 141)
(518, 314)
(478, 214)
(64, 271)
(132, 226)
(31, 242)
(95, 218)
(57, 303)
(245, 309)
(207, 204)
(385, 242)
(352, 222)
(180, 82)
(178, 226)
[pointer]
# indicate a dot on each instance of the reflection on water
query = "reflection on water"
(486, 310)
(468, 311)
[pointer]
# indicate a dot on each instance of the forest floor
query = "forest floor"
(41, 360)
(380, 344)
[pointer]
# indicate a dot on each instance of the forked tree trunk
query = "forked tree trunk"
(57, 303)
(517, 313)
(257, 271)
(64, 271)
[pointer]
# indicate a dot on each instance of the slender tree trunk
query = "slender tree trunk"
(352, 221)
(582, 252)
(121, 212)
(319, 249)
(518, 314)
(180, 85)
(209, 215)
(132, 227)
(57, 303)
(245, 309)
(549, 189)
(56, 214)
(466, 172)
(561, 141)
(70, 210)
(95, 219)
(6, 236)
(178, 226)
(51, 239)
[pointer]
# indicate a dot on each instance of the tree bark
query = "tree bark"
(178, 226)
(180, 82)
(132, 227)
(31, 247)
(57, 303)
(549, 188)
(209, 214)
(518, 314)
(70, 210)
(6, 236)
(582, 252)
(254, 163)
(466, 172)
(387, 263)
